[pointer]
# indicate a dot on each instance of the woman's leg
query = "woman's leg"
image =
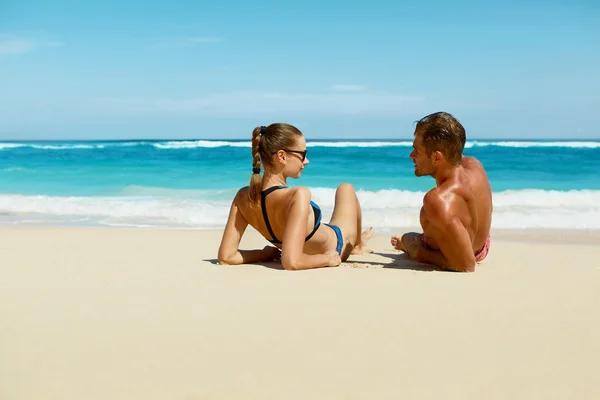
(347, 215)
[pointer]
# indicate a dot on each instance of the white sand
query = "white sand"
(104, 314)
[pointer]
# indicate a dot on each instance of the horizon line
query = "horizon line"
(520, 139)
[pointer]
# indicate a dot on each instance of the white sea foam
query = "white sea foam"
(573, 145)
(67, 147)
(198, 144)
(513, 209)
(4, 146)
(469, 144)
(135, 211)
(193, 144)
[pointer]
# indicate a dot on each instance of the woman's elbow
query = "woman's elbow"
(225, 259)
(290, 264)
(222, 261)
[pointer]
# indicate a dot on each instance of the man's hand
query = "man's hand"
(271, 253)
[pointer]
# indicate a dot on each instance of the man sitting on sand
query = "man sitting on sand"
(457, 214)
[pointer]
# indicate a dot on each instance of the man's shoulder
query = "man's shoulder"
(470, 162)
(435, 199)
(433, 196)
(440, 203)
(445, 193)
(476, 175)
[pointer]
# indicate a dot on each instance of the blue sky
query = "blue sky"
(336, 69)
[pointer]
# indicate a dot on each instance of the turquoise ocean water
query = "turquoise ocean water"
(190, 183)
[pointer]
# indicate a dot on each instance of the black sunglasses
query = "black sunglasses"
(302, 153)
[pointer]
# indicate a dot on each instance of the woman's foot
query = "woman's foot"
(362, 248)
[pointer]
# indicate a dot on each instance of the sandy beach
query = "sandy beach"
(101, 313)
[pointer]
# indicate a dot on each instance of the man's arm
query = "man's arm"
(434, 257)
(416, 250)
(456, 249)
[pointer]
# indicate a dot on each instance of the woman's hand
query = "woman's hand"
(271, 253)
(334, 258)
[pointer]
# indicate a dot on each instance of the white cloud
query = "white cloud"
(186, 41)
(265, 105)
(262, 103)
(15, 45)
(348, 88)
(12, 44)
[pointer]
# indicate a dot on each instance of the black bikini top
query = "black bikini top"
(315, 207)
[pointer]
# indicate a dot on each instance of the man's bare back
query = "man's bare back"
(469, 196)
(456, 216)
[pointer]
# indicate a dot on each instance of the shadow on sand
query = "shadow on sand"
(396, 261)
(276, 265)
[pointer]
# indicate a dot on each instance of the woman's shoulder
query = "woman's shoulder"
(300, 193)
(297, 193)
(242, 195)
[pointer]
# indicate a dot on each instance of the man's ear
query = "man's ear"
(437, 157)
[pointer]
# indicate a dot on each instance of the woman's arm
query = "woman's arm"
(293, 257)
(235, 228)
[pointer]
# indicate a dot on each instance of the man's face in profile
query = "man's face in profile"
(423, 164)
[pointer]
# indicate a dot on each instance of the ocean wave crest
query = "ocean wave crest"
(376, 144)
(138, 206)
(5, 146)
(197, 144)
(524, 144)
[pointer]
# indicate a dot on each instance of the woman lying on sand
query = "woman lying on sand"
(286, 216)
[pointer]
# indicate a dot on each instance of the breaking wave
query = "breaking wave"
(193, 144)
(208, 209)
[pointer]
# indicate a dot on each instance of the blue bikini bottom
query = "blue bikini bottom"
(340, 239)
